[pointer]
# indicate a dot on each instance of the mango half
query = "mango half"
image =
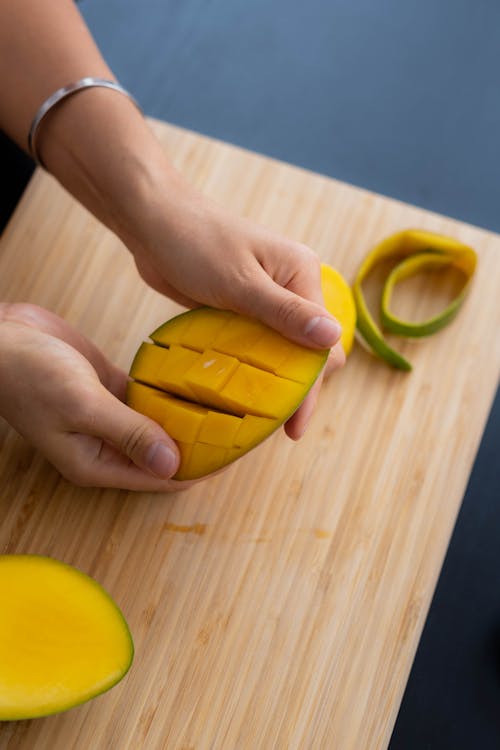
(63, 640)
(219, 383)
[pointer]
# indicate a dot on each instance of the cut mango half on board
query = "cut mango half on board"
(414, 251)
(63, 640)
(219, 383)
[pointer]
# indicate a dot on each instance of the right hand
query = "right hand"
(197, 253)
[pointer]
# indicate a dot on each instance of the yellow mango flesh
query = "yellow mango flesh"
(219, 384)
(339, 301)
(62, 638)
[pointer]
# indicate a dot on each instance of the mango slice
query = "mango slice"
(63, 640)
(339, 301)
(219, 384)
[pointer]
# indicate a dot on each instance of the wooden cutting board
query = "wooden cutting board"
(279, 604)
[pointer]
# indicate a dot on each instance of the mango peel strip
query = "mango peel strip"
(416, 250)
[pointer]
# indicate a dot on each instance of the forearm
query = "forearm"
(96, 142)
(101, 148)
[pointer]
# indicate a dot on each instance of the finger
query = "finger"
(336, 360)
(44, 320)
(299, 319)
(135, 436)
(297, 269)
(293, 266)
(89, 462)
(296, 426)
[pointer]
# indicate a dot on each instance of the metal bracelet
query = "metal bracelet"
(58, 96)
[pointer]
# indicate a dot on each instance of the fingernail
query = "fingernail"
(302, 431)
(323, 331)
(161, 460)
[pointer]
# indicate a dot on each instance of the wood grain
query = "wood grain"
(279, 604)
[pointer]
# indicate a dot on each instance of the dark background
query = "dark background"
(402, 98)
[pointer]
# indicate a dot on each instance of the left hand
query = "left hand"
(60, 392)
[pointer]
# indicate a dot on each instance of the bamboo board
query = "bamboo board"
(279, 604)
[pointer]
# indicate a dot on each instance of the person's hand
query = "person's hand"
(196, 253)
(104, 152)
(59, 392)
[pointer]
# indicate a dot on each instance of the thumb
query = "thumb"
(305, 322)
(145, 443)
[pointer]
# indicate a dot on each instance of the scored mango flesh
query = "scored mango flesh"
(219, 383)
(63, 640)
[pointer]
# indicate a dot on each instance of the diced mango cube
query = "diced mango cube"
(252, 430)
(296, 367)
(235, 339)
(147, 362)
(203, 334)
(173, 331)
(149, 401)
(195, 330)
(219, 429)
(209, 374)
(176, 362)
(205, 459)
(270, 351)
(254, 391)
(165, 368)
(182, 420)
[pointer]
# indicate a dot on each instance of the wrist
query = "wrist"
(101, 148)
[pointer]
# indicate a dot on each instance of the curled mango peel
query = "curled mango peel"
(416, 251)
(219, 383)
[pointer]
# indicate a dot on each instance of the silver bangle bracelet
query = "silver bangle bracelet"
(58, 96)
